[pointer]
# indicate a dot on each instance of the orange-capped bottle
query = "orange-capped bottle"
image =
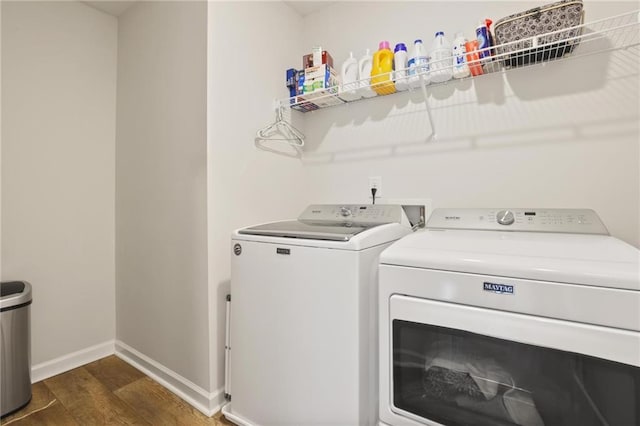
(381, 79)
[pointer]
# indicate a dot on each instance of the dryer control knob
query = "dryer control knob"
(344, 211)
(505, 217)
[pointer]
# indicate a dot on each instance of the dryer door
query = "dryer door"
(459, 365)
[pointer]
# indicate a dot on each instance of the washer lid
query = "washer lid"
(598, 260)
(331, 222)
(331, 231)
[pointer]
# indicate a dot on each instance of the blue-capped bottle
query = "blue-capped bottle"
(400, 66)
(440, 59)
(418, 65)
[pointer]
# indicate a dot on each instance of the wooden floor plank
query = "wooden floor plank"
(54, 415)
(107, 392)
(159, 406)
(40, 397)
(113, 372)
(89, 401)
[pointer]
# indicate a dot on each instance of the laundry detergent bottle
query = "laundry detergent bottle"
(381, 70)
(441, 66)
(348, 89)
(418, 66)
(400, 67)
(364, 75)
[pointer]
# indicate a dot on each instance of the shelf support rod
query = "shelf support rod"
(423, 86)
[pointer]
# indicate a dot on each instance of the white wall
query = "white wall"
(561, 135)
(58, 135)
(161, 198)
(250, 46)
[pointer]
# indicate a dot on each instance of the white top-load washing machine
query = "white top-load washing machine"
(510, 317)
(304, 316)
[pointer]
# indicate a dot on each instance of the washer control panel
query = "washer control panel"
(364, 213)
(571, 221)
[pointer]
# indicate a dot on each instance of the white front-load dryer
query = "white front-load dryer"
(523, 317)
(303, 320)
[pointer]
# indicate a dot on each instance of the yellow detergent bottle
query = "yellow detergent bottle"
(381, 80)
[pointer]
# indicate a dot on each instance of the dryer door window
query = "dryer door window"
(458, 377)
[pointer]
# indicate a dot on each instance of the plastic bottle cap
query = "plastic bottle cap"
(440, 33)
(400, 46)
(488, 22)
(384, 45)
(418, 41)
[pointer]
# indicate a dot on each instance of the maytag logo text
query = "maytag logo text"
(498, 288)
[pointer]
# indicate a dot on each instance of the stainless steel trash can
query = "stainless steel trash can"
(15, 346)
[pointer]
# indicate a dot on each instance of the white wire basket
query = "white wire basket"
(604, 35)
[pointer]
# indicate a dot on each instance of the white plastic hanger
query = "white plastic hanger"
(281, 130)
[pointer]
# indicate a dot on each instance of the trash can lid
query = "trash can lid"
(14, 294)
(12, 287)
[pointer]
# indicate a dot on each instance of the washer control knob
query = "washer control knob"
(345, 211)
(505, 217)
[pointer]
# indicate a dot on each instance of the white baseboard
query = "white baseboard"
(227, 410)
(70, 361)
(205, 402)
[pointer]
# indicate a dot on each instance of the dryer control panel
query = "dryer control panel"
(361, 213)
(568, 221)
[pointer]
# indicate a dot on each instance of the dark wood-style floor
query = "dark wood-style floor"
(107, 392)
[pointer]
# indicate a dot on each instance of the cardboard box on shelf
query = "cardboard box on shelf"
(293, 75)
(323, 97)
(300, 88)
(308, 62)
(320, 77)
(319, 98)
(313, 88)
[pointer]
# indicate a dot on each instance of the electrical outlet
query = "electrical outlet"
(375, 182)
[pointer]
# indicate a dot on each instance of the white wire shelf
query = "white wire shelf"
(604, 35)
